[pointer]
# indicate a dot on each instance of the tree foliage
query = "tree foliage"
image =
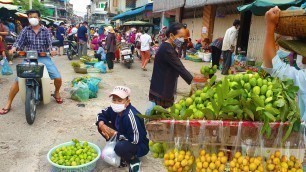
(35, 5)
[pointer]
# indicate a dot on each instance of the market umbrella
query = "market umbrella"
(10, 7)
(137, 23)
(22, 15)
(260, 7)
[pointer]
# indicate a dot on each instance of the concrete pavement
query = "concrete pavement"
(24, 147)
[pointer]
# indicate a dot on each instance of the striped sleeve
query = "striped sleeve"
(132, 129)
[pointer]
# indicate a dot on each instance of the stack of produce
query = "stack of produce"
(76, 154)
(279, 163)
(206, 71)
(246, 163)
(157, 149)
(247, 97)
(211, 162)
(178, 161)
(86, 59)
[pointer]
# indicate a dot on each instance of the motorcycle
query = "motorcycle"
(34, 84)
(72, 47)
(10, 40)
(126, 54)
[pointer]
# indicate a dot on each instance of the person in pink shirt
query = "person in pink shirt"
(95, 43)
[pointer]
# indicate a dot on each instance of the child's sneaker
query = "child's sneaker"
(123, 164)
(135, 165)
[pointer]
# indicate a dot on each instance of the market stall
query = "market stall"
(244, 122)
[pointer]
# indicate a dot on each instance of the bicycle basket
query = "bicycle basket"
(30, 71)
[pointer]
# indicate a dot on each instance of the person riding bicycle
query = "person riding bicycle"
(38, 38)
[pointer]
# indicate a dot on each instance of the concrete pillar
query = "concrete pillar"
(178, 14)
(209, 13)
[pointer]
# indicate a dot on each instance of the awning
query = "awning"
(9, 7)
(134, 12)
(167, 5)
(137, 23)
(260, 7)
(199, 3)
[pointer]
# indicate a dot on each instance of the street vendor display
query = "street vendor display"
(244, 122)
(74, 156)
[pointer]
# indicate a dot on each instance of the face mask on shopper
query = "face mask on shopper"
(177, 41)
(299, 63)
(33, 21)
(118, 107)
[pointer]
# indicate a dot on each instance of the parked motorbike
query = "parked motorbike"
(10, 40)
(34, 84)
(72, 47)
(126, 54)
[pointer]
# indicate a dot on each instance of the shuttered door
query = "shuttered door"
(222, 24)
(256, 38)
(195, 27)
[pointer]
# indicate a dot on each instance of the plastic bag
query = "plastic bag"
(100, 65)
(180, 158)
(150, 108)
(80, 92)
(6, 69)
(108, 154)
(92, 84)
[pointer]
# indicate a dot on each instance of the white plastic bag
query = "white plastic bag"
(108, 153)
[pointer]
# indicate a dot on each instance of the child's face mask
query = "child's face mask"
(119, 105)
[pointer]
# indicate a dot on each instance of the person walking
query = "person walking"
(19, 27)
(228, 46)
(145, 41)
(216, 50)
(167, 68)
(110, 47)
(3, 33)
(183, 48)
(60, 32)
(82, 39)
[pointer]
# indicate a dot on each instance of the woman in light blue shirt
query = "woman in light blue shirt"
(100, 54)
(276, 67)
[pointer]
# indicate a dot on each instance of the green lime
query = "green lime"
(256, 90)
(259, 82)
(253, 82)
(263, 89)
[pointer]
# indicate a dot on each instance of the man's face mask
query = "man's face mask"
(33, 21)
(282, 53)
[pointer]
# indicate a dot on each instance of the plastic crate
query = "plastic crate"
(30, 71)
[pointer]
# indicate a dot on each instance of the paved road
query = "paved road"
(24, 148)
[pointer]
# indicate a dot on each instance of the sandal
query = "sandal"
(5, 111)
(58, 100)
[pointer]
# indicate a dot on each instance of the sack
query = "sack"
(6, 69)
(80, 92)
(108, 153)
(93, 87)
(100, 65)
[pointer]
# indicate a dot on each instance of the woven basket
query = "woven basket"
(292, 23)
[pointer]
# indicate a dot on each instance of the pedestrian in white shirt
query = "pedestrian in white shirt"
(145, 41)
(228, 46)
